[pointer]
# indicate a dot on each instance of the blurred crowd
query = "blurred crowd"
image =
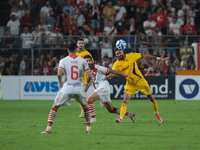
(157, 27)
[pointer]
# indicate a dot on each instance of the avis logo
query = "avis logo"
(40, 86)
(189, 88)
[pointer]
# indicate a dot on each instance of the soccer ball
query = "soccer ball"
(120, 44)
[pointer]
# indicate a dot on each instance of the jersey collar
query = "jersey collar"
(73, 56)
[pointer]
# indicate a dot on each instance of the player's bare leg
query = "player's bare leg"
(52, 115)
(115, 110)
(123, 107)
(155, 107)
(87, 118)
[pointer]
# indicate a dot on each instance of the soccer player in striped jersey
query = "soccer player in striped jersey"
(81, 52)
(102, 89)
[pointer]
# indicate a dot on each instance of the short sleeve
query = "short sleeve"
(115, 67)
(61, 65)
(103, 70)
(134, 56)
(8, 24)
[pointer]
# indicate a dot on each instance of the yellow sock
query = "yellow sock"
(81, 108)
(154, 105)
(123, 110)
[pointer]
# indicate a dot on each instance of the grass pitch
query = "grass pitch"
(21, 123)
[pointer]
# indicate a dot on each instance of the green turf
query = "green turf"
(22, 121)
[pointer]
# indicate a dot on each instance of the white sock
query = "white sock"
(48, 128)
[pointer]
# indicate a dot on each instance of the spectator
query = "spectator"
(82, 5)
(54, 62)
(140, 3)
(184, 9)
(131, 10)
(191, 15)
(144, 41)
(69, 37)
(175, 27)
(46, 70)
(80, 19)
(91, 2)
(129, 41)
(8, 70)
(15, 62)
(27, 5)
(143, 16)
(188, 25)
(2, 64)
(42, 27)
(106, 46)
(149, 25)
(170, 8)
(18, 13)
(74, 27)
(9, 41)
(190, 38)
(45, 10)
(157, 42)
(28, 21)
(23, 67)
(25, 43)
(197, 11)
(36, 7)
(14, 26)
(169, 16)
(150, 72)
(95, 12)
(175, 66)
(156, 7)
(16, 3)
(59, 6)
(167, 68)
(120, 13)
(66, 21)
(171, 41)
(49, 35)
(110, 30)
(38, 44)
(132, 27)
(108, 13)
(161, 20)
(186, 52)
(50, 20)
(69, 8)
(93, 44)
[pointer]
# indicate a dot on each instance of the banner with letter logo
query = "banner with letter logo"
(187, 88)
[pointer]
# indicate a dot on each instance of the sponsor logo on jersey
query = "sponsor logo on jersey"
(123, 69)
(189, 88)
(40, 86)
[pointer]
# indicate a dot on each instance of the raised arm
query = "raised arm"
(118, 73)
(147, 56)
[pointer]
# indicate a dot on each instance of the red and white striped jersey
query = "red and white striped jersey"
(98, 76)
(74, 68)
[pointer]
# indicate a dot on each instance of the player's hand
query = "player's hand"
(61, 85)
(163, 59)
(108, 77)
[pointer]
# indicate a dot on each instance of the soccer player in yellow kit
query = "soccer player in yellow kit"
(81, 52)
(126, 63)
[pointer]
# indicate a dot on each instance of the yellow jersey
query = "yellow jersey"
(82, 54)
(129, 65)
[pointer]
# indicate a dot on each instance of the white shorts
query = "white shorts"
(103, 92)
(67, 93)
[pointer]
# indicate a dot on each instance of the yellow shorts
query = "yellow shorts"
(142, 85)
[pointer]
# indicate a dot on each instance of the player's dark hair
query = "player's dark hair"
(87, 56)
(72, 47)
(80, 39)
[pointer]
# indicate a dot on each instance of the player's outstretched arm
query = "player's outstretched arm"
(147, 56)
(118, 73)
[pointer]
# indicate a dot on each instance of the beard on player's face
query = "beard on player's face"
(90, 65)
